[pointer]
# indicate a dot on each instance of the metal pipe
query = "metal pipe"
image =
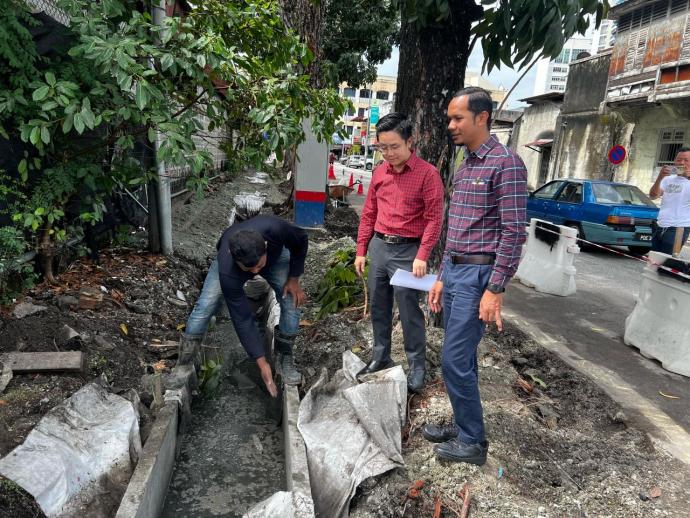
(163, 184)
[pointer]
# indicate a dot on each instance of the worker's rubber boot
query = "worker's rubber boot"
(283, 345)
(190, 350)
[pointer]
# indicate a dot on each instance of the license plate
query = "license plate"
(644, 237)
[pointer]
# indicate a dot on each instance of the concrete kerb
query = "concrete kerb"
(145, 494)
(148, 487)
(672, 437)
(296, 466)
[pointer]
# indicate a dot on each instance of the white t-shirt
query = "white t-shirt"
(675, 202)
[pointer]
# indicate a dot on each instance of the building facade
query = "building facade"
(552, 75)
(380, 93)
(533, 134)
(649, 84)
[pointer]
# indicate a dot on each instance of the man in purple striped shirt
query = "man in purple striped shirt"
(486, 231)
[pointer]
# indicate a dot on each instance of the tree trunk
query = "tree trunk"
(430, 70)
(307, 18)
(46, 253)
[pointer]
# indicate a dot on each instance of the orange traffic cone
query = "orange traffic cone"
(352, 180)
(331, 172)
(360, 189)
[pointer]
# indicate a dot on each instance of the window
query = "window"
(612, 194)
(349, 92)
(364, 93)
(670, 141)
(576, 53)
(560, 69)
(348, 129)
(557, 88)
(563, 57)
(382, 95)
(559, 79)
(360, 112)
(549, 190)
(350, 112)
(571, 193)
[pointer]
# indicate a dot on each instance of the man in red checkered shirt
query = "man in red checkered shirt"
(400, 225)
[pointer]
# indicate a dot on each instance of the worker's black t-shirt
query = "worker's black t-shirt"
(278, 234)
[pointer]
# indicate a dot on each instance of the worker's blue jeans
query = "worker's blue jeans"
(211, 298)
(463, 287)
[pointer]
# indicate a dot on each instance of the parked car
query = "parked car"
(370, 164)
(607, 213)
(343, 159)
(355, 161)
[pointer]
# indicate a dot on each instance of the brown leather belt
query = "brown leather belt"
(473, 259)
(396, 240)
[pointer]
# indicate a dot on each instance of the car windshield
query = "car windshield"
(613, 194)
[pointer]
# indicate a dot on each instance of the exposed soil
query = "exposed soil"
(140, 304)
(559, 446)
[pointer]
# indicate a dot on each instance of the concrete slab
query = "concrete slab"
(296, 466)
(148, 486)
(231, 456)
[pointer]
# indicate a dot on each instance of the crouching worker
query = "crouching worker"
(263, 245)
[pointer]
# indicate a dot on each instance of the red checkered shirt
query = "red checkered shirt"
(487, 209)
(408, 203)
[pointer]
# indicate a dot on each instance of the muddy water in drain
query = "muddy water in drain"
(232, 453)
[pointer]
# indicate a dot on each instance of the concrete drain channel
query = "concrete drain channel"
(221, 456)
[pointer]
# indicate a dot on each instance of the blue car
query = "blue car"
(607, 213)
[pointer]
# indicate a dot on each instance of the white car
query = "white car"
(355, 161)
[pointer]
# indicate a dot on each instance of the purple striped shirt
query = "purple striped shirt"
(487, 209)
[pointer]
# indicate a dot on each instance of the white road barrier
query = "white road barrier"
(659, 325)
(547, 262)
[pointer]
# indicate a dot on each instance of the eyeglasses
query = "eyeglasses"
(385, 149)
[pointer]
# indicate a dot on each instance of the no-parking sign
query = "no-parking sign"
(617, 154)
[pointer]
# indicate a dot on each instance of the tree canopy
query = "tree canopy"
(117, 79)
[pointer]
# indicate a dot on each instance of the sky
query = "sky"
(504, 77)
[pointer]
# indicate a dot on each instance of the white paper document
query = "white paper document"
(407, 280)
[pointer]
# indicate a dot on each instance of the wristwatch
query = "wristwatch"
(495, 288)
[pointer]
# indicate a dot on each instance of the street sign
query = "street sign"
(617, 154)
(374, 115)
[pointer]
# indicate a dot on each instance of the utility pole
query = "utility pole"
(366, 137)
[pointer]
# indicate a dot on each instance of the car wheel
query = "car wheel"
(369, 167)
(639, 250)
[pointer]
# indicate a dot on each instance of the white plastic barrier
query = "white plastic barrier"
(547, 262)
(659, 325)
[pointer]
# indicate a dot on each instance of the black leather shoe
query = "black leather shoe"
(457, 451)
(415, 380)
(440, 432)
(375, 366)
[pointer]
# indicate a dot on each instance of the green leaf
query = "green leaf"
(35, 136)
(79, 123)
(67, 123)
(141, 96)
(45, 135)
(23, 170)
(40, 93)
(166, 61)
(50, 78)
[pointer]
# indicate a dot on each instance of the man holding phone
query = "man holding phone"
(673, 185)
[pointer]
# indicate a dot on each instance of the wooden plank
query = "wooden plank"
(68, 361)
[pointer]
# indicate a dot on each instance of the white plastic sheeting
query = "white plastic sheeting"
(278, 505)
(547, 263)
(352, 431)
(82, 449)
(659, 325)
